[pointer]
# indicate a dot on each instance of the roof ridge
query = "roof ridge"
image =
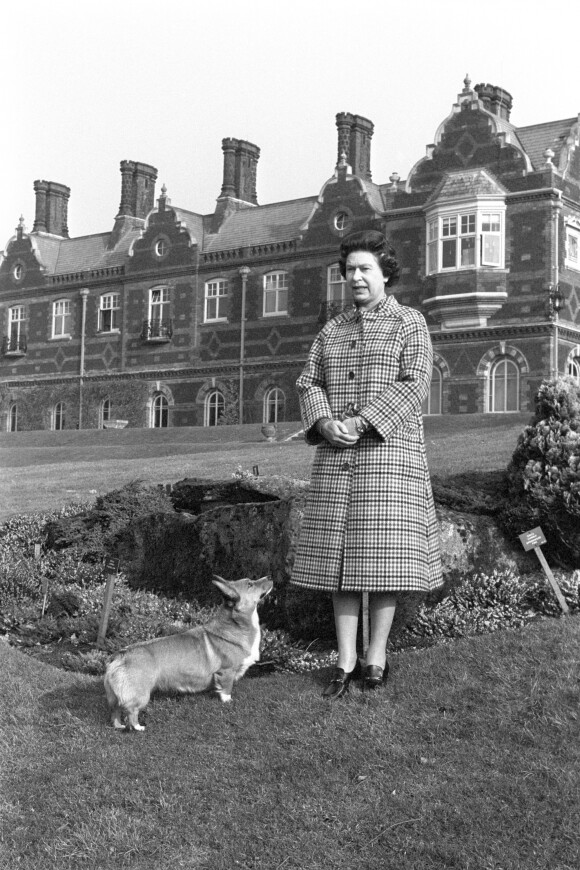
(548, 123)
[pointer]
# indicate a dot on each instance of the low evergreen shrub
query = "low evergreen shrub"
(94, 532)
(543, 477)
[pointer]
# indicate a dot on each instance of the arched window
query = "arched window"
(433, 402)
(57, 421)
(159, 412)
(504, 387)
(13, 418)
(573, 368)
(214, 408)
(104, 412)
(274, 405)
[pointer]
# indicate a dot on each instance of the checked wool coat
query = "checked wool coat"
(369, 523)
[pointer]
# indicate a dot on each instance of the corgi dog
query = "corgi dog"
(214, 655)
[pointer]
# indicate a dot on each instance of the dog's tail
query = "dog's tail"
(114, 682)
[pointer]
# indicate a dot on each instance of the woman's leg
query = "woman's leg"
(346, 609)
(382, 610)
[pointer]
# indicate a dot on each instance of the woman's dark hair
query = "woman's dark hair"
(375, 243)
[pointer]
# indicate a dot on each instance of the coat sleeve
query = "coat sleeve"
(400, 401)
(312, 394)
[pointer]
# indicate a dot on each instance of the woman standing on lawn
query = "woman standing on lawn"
(369, 524)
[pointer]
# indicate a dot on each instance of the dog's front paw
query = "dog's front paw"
(225, 699)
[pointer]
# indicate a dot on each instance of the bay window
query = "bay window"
(465, 240)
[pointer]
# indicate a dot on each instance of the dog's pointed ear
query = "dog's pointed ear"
(226, 589)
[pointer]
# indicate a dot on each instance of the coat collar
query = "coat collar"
(386, 308)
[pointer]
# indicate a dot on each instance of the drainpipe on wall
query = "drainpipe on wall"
(84, 293)
(244, 272)
(558, 305)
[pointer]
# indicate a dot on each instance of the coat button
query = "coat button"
(345, 466)
(351, 376)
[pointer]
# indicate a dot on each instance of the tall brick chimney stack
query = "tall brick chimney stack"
(239, 179)
(240, 170)
(137, 189)
(495, 100)
(137, 198)
(354, 140)
(51, 214)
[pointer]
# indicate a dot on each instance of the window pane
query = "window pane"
(450, 226)
(511, 394)
(490, 223)
(449, 258)
(467, 223)
(491, 250)
(282, 301)
(270, 302)
(505, 386)
(432, 257)
(468, 251)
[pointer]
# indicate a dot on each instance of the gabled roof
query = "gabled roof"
(192, 222)
(537, 137)
(261, 225)
(62, 256)
(467, 184)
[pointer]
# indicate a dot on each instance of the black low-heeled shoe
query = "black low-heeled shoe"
(340, 682)
(374, 676)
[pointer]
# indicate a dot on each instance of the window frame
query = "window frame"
(492, 386)
(160, 306)
(58, 415)
(219, 298)
(278, 290)
(16, 329)
(475, 226)
(212, 409)
(573, 369)
(12, 421)
(274, 401)
(105, 409)
(332, 281)
(572, 231)
(112, 310)
(64, 316)
(159, 412)
(435, 386)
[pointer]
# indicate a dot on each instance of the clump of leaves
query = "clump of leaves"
(487, 602)
(543, 478)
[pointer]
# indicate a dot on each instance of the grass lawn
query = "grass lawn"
(469, 759)
(44, 470)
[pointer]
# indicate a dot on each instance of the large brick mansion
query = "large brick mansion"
(175, 318)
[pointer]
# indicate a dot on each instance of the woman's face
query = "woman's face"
(364, 279)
